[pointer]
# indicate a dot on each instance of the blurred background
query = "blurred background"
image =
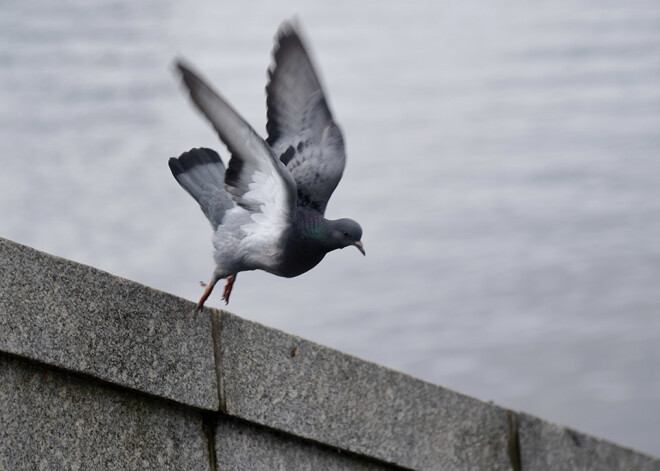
(502, 160)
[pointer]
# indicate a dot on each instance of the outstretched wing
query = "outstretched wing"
(255, 179)
(300, 127)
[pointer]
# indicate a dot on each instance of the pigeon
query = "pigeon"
(267, 206)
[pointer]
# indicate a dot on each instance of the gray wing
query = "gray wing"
(202, 174)
(255, 179)
(300, 126)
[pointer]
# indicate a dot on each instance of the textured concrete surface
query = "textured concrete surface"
(291, 384)
(293, 403)
(544, 446)
(82, 319)
(54, 421)
(241, 446)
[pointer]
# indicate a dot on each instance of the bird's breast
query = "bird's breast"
(300, 255)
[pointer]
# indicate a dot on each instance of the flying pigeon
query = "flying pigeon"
(267, 207)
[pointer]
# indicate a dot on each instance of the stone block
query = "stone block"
(241, 446)
(82, 319)
(50, 420)
(544, 446)
(287, 383)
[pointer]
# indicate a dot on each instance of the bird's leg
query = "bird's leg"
(207, 292)
(228, 287)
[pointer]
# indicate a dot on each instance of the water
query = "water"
(502, 160)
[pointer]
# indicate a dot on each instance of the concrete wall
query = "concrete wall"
(98, 372)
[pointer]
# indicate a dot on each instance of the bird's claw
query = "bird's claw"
(227, 292)
(205, 296)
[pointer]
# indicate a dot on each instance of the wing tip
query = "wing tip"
(189, 78)
(288, 36)
(288, 27)
(289, 41)
(175, 167)
(181, 65)
(193, 158)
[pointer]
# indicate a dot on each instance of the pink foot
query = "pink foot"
(228, 287)
(207, 293)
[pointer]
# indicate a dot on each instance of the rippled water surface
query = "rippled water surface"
(503, 160)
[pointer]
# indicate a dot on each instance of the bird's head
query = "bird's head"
(347, 232)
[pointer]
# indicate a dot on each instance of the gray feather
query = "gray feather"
(300, 126)
(201, 173)
(250, 153)
(292, 82)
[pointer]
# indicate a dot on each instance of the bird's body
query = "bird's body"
(267, 207)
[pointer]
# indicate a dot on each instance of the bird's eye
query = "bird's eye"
(345, 234)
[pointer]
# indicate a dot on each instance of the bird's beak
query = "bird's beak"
(360, 247)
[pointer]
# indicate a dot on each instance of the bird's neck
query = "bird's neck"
(314, 228)
(307, 244)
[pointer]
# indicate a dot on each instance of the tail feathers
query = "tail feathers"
(202, 174)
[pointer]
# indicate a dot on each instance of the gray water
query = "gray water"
(502, 160)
